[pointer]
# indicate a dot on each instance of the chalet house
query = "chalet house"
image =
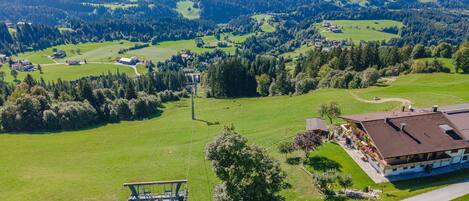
(406, 142)
(129, 61)
(317, 126)
(22, 65)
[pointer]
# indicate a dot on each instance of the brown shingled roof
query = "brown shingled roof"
(316, 124)
(423, 132)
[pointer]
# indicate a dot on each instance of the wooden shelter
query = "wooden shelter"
(158, 191)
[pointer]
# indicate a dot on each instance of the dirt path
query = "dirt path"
(382, 100)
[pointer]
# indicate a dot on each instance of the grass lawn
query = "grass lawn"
(301, 50)
(186, 9)
(332, 156)
(102, 52)
(265, 20)
(463, 198)
(64, 72)
(92, 164)
(358, 30)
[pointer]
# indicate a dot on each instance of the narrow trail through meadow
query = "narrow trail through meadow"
(382, 100)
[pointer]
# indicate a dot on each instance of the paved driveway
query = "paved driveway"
(444, 194)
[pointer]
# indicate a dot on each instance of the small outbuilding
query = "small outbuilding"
(317, 125)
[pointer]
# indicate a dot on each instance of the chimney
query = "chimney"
(435, 108)
(403, 108)
(386, 120)
(403, 126)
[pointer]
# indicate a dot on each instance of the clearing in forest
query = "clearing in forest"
(360, 30)
(188, 9)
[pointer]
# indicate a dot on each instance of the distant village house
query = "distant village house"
(129, 61)
(22, 65)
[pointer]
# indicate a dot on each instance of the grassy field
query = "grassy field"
(463, 198)
(92, 164)
(265, 20)
(186, 9)
(97, 52)
(358, 30)
(165, 50)
(65, 72)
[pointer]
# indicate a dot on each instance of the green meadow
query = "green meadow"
(55, 71)
(186, 9)
(92, 164)
(264, 19)
(96, 52)
(101, 56)
(463, 198)
(360, 30)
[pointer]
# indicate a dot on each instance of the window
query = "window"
(395, 169)
(405, 168)
(422, 166)
(465, 158)
(412, 167)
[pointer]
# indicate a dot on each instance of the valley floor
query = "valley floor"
(92, 164)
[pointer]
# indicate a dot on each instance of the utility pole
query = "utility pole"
(194, 87)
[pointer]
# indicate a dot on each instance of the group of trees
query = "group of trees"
(246, 171)
(64, 105)
(461, 58)
(358, 66)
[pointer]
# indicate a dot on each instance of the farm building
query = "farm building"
(22, 65)
(317, 126)
(129, 61)
(409, 142)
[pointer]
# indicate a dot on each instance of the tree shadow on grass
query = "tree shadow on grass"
(294, 160)
(432, 181)
(321, 163)
(209, 123)
(335, 198)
